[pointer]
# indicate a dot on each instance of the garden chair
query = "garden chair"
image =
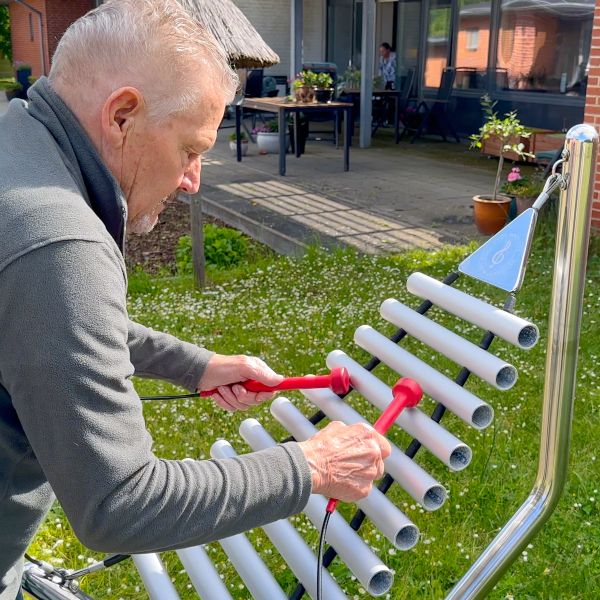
(500, 262)
(384, 107)
(433, 115)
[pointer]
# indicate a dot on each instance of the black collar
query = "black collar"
(96, 182)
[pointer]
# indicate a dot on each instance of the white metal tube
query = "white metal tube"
(408, 474)
(254, 573)
(471, 409)
(509, 327)
(202, 574)
(155, 577)
(441, 443)
(294, 550)
(485, 365)
(375, 576)
(391, 521)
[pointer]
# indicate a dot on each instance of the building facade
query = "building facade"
(538, 57)
(37, 26)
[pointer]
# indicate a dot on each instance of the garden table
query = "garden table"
(283, 106)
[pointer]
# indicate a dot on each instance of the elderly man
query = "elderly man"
(134, 99)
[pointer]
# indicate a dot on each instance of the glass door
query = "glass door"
(438, 45)
(344, 33)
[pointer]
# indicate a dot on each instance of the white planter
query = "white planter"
(233, 147)
(268, 143)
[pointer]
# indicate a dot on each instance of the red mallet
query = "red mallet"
(338, 380)
(407, 394)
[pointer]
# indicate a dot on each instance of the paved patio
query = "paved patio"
(394, 197)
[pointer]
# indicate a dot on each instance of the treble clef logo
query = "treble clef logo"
(499, 256)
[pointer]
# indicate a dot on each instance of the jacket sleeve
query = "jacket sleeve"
(65, 362)
(159, 355)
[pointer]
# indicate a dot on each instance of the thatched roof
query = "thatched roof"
(243, 44)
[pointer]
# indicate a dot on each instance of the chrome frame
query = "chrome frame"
(572, 238)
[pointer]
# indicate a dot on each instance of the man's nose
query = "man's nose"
(190, 183)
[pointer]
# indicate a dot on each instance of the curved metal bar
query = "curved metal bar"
(572, 238)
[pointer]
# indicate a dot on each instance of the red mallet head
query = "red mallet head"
(407, 394)
(411, 389)
(340, 380)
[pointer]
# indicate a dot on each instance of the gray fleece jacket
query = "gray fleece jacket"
(71, 423)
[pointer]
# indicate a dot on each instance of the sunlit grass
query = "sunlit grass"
(292, 312)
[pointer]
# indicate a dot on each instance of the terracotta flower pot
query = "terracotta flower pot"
(491, 215)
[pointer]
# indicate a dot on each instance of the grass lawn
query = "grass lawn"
(292, 312)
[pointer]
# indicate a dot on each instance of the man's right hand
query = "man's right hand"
(345, 459)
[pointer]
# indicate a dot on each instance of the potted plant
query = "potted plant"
(324, 91)
(349, 81)
(13, 90)
(491, 211)
(525, 191)
(23, 73)
(267, 138)
(233, 143)
(305, 86)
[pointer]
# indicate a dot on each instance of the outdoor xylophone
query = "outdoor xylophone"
(500, 262)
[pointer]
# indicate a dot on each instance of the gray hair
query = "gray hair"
(153, 45)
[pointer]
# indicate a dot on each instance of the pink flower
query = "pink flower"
(514, 175)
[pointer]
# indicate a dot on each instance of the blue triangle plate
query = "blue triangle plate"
(502, 260)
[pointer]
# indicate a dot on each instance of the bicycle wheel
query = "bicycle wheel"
(47, 587)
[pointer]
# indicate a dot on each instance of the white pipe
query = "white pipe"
(202, 573)
(375, 577)
(408, 474)
(254, 573)
(471, 409)
(291, 546)
(441, 443)
(391, 521)
(252, 570)
(485, 365)
(156, 580)
(505, 325)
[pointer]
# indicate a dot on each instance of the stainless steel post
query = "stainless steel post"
(572, 238)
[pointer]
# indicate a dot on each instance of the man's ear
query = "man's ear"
(118, 114)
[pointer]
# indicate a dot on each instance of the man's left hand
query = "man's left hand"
(227, 373)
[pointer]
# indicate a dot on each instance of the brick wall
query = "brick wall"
(57, 15)
(25, 34)
(60, 14)
(592, 107)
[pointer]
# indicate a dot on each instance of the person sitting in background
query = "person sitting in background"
(387, 66)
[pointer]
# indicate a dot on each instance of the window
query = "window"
(472, 44)
(544, 45)
(472, 40)
(31, 27)
(438, 41)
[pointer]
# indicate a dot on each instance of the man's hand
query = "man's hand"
(345, 459)
(222, 371)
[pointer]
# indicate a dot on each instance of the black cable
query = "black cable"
(320, 556)
(174, 397)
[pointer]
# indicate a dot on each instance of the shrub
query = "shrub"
(233, 137)
(506, 130)
(223, 248)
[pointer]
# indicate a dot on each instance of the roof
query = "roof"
(238, 37)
